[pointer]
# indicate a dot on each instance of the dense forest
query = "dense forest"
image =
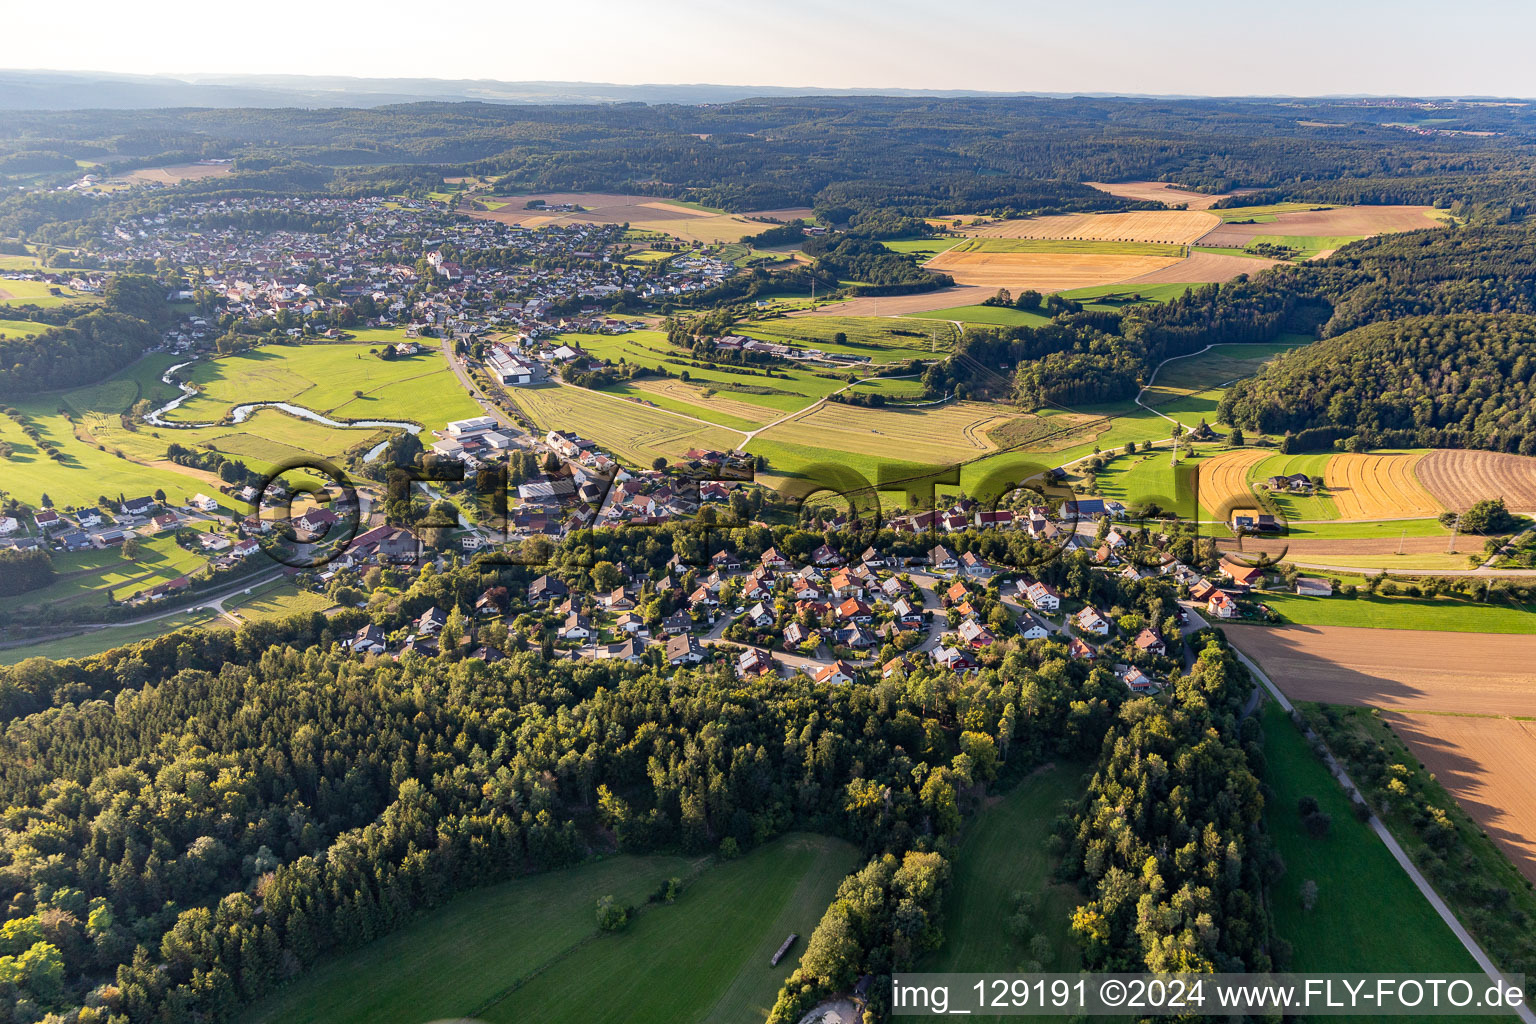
(1457, 381)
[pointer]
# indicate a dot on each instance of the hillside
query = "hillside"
(1460, 381)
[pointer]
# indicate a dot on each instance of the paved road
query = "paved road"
(1396, 849)
(489, 407)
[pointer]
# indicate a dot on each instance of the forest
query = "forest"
(92, 345)
(198, 817)
(1456, 381)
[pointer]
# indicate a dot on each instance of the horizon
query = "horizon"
(985, 46)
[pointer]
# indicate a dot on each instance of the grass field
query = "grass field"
(530, 950)
(1206, 374)
(1266, 214)
(1438, 613)
(277, 601)
(1394, 928)
(1297, 506)
(997, 316)
(1003, 852)
(20, 328)
(882, 339)
(83, 645)
(38, 293)
(1114, 295)
(87, 577)
(1153, 477)
(631, 431)
(923, 247)
(1306, 246)
(324, 378)
(937, 434)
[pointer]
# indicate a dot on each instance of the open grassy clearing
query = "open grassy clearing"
(277, 600)
(1211, 370)
(20, 328)
(1265, 214)
(1152, 477)
(881, 339)
(83, 645)
(91, 577)
(1306, 246)
(1112, 296)
(422, 972)
(705, 958)
(1394, 929)
(995, 316)
(1003, 852)
(40, 293)
(326, 379)
(85, 472)
(1445, 614)
(923, 247)
(631, 431)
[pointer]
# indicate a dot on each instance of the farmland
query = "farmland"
(1442, 614)
(1297, 505)
(1003, 852)
(1169, 226)
(1396, 929)
(1067, 246)
(997, 316)
(1202, 267)
(882, 340)
(1208, 371)
(645, 213)
(1396, 669)
(1158, 192)
(1457, 479)
(1485, 763)
(1044, 271)
(1224, 480)
(937, 434)
(1338, 223)
(38, 293)
(1151, 477)
(1378, 485)
(631, 431)
(92, 577)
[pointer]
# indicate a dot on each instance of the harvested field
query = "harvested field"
(1204, 268)
(786, 215)
(1175, 226)
(1378, 486)
(1157, 192)
(706, 398)
(178, 173)
(1485, 763)
(1224, 481)
(1041, 434)
(1396, 669)
(632, 431)
(1312, 548)
(1352, 221)
(938, 434)
(1458, 479)
(1044, 271)
(643, 213)
(896, 305)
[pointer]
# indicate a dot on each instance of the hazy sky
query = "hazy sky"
(1156, 46)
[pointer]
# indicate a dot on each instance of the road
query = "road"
(1398, 853)
(490, 408)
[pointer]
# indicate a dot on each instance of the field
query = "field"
(1396, 669)
(1002, 852)
(20, 328)
(1379, 485)
(178, 173)
(1157, 192)
(1485, 763)
(1457, 479)
(1206, 373)
(1171, 226)
(1297, 506)
(1335, 221)
(276, 601)
(1151, 477)
(1443, 614)
(1000, 316)
(1044, 271)
(1204, 268)
(421, 972)
(644, 213)
(703, 959)
(899, 305)
(89, 577)
(38, 293)
(1395, 929)
(936, 434)
(698, 400)
(1224, 480)
(83, 645)
(629, 430)
(325, 378)
(1070, 246)
(882, 340)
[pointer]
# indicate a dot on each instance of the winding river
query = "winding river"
(241, 413)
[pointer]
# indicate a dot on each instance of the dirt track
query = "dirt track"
(1397, 669)
(1485, 763)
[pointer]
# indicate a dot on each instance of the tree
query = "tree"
(659, 463)
(131, 548)
(452, 634)
(45, 501)
(160, 495)
(610, 916)
(606, 576)
(1236, 437)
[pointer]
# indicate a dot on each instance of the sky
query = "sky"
(1198, 47)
